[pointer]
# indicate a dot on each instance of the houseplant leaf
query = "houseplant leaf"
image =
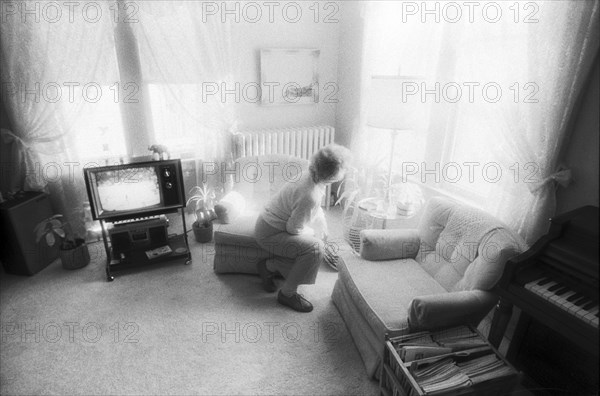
(60, 232)
(50, 240)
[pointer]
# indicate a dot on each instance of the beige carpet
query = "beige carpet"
(170, 329)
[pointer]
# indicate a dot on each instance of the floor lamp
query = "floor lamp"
(395, 105)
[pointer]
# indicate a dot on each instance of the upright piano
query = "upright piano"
(554, 284)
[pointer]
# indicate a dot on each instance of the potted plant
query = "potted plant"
(73, 251)
(203, 200)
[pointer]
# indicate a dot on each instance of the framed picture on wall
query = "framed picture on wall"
(289, 76)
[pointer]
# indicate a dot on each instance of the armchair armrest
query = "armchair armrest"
(389, 244)
(450, 309)
(230, 207)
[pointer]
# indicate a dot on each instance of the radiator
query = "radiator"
(298, 142)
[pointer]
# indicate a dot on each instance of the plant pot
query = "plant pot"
(77, 257)
(203, 233)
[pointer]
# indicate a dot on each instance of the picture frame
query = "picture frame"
(289, 76)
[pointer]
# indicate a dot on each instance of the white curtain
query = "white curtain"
(188, 63)
(62, 87)
(562, 51)
(46, 62)
(506, 86)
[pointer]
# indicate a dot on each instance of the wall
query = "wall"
(4, 121)
(306, 33)
(581, 153)
(349, 70)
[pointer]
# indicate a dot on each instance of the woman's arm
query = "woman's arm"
(300, 216)
(320, 224)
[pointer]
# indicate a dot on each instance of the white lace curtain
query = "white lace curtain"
(539, 66)
(57, 61)
(44, 67)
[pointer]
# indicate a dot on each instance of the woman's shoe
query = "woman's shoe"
(295, 301)
(266, 277)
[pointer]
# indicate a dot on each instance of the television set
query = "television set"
(133, 190)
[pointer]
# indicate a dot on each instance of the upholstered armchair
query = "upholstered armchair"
(255, 180)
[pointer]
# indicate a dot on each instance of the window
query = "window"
(98, 130)
(473, 71)
(176, 116)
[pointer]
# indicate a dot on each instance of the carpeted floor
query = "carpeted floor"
(170, 329)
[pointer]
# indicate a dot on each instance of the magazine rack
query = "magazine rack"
(400, 376)
(142, 255)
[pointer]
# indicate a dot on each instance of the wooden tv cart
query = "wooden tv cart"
(136, 257)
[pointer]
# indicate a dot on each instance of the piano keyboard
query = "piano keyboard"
(571, 301)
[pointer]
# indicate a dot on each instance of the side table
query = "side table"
(378, 216)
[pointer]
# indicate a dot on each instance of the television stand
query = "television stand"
(126, 248)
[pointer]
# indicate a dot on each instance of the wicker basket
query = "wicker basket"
(354, 221)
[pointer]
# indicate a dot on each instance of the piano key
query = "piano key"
(539, 282)
(581, 301)
(531, 284)
(544, 289)
(583, 312)
(557, 286)
(580, 312)
(592, 314)
(573, 302)
(562, 291)
(575, 297)
(559, 296)
(564, 302)
(589, 306)
(543, 281)
(574, 309)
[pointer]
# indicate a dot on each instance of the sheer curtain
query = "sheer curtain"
(563, 48)
(501, 94)
(53, 71)
(62, 87)
(188, 63)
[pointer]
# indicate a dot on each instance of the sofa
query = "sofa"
(438, 275)
(255, 180)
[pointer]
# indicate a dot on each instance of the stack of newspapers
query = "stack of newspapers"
(450, 359)
(448, 374)
(424, 345)
(441, 375)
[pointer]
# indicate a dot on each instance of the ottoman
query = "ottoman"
(236, 250)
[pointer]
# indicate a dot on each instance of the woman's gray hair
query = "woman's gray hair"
(328, 162)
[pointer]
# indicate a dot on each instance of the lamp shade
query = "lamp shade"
(395, 103)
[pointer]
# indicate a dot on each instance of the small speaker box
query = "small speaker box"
(20, 253)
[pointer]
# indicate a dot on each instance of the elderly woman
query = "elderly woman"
(293, 229)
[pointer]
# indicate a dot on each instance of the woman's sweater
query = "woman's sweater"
(295, 206)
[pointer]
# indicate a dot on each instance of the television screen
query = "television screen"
(131, 189)
(135, 189)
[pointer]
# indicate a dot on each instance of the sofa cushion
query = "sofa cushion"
(495, 249)
(450, 309)
(388, 244)
(453, 237)
(402, 279)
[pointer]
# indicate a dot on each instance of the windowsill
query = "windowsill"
(453, 195)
